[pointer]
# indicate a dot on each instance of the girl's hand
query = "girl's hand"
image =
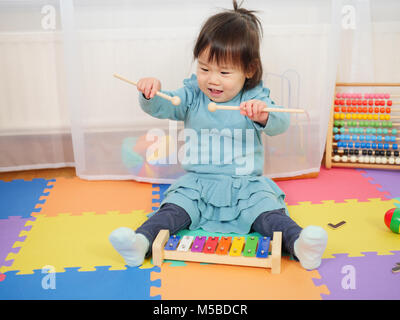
(149, 87)
(253, 110)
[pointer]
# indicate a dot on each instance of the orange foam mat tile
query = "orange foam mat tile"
(74, 196)
(212, 281)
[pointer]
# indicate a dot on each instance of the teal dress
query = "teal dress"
(223, 189)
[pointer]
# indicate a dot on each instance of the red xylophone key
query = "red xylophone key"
(211, 245)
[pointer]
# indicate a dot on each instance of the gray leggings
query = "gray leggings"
(174, 218)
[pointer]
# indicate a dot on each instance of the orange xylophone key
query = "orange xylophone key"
(224, 245)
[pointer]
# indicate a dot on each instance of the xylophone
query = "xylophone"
(252, 251)
(364, 129)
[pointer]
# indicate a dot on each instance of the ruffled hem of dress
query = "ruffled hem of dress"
(225, 198)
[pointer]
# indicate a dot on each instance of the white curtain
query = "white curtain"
(61, 106)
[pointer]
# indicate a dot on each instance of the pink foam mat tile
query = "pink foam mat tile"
(337, 184)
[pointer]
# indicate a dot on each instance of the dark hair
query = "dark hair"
(233, 36)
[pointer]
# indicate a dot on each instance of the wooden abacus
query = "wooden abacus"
(363, 129)
(250, 251)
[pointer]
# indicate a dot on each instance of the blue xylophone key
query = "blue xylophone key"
(263, 247)
(172, 243)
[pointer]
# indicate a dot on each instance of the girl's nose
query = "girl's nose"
(213, 78)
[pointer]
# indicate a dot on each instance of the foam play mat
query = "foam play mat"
(54, 243)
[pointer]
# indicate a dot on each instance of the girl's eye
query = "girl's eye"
(204, 69)
(225, 72)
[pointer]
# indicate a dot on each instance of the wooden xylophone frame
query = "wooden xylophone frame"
(329, 163)
(273, 260)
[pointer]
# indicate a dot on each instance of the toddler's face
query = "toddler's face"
(220, 83)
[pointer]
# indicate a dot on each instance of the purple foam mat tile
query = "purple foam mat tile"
(9, 233)
(368, 277)
(389, 180)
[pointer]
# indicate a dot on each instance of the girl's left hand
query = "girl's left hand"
(253, 110)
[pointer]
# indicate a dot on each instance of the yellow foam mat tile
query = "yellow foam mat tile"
(364, 230)
(72, 241)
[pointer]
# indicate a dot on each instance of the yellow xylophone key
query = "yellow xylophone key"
(237, 246)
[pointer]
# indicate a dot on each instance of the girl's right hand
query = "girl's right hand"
(149, 87)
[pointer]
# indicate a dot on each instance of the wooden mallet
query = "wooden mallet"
(176, 101)
(212, 106)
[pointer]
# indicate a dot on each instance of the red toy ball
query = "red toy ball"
(392, 219)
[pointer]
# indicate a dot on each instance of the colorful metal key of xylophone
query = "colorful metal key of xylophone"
(251, 251)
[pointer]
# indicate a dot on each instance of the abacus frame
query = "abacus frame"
(329, 138)
(273, 261)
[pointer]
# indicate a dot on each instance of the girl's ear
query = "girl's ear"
(251, 70)
(250, 74)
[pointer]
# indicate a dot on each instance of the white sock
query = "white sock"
(130, 245)
(310, 246)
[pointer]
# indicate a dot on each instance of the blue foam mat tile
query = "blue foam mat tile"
(163, 188)
(20, 197)
(102, 284)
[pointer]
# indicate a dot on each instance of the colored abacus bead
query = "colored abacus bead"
(392, 220)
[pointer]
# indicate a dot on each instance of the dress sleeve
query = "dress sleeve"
(278, 122)
(164, 109)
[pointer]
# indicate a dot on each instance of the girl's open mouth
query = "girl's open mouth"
(215, 92)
